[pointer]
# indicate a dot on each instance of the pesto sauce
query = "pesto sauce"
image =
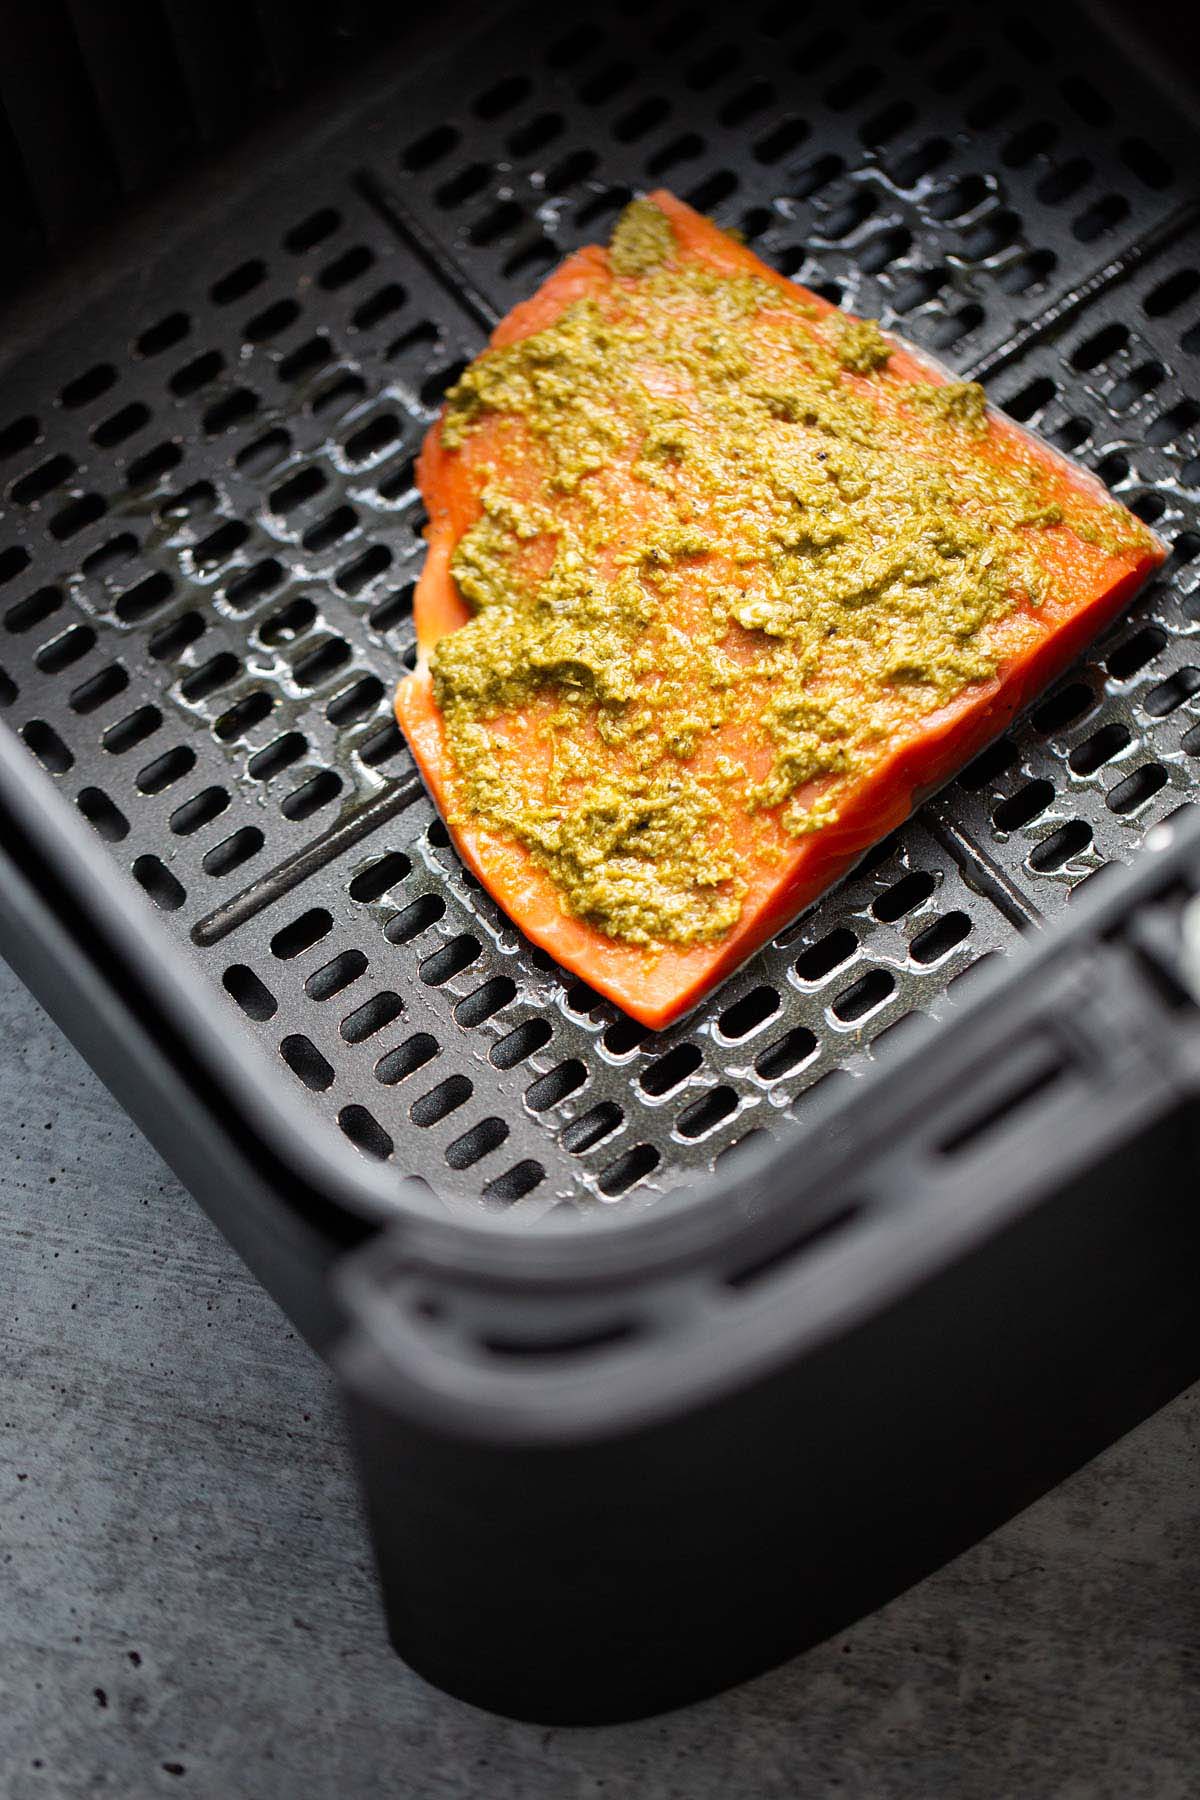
(717, 520)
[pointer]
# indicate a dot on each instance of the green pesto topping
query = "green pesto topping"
(861, 346)
(958, 402)
(723, 559)
(642, 239)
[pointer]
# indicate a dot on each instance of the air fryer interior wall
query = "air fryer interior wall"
(211, 536)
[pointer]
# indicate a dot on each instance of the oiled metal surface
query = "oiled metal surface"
(211, 533)
(186, 1606)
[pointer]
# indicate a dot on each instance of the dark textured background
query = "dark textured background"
(186, 1604)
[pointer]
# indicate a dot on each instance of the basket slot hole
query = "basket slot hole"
(305, 359)
(271, 322)
(233, 410)
(252, 995)
(534, 135)
(1063, 708)
(394, 609)
(1070, 840)
(373, 437)
(365, 1132)
(335, 976)
(450, 960)
(781, 140)
(355, 702)
(47, 746)
(321, 662)
(305, 1060)
(121, 425)
(529, 1036)
(567, 1078)
(706, 1113)
(18, 436)
(786, 1054)
(377, 878)
(1032, 398)
(160, 774)
(1136, 789)
(381, 305)
(99, 689)
(243, 716)
(131, 731)
(478, 1007)
(234, 852)
(199, 811)
(69, 647)
(77, 516)
(1099, 347)
(864, 996)
(8, 688)
(238, 283)
(277, 756)
(1173, 423)
(25, 614)
(1023, 807)
(424, 151)
(154, 877)
(624, 1036)
(398, 1064)
(380, 1010)
(220, 544)
(311, 795)
(1131, 656)
(363, 570)
(423, 912)
(666, 1072)
(12, 562)
(480, 1141)
(633, 1165)
(916, 164)
(1098, 749)
(148, 470)
(514, 1183)
(1100, 217)
(904, 896)
(304, 485)
(43, 480)
(196, 374)
(288, 623)
(140, 602)
(585, 1133)
(995, 760)
(1172, 692)
(265, 453)
(938, 939)
(302, 933)
(350, 266)
(164, 335)
(211, 676)
(431, 1108)
(748, 1013)
(312, 231)
(826, 955)
(1172, 293)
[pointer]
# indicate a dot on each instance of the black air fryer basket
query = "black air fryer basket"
(664, 1354)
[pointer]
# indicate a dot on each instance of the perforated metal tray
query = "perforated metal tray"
(210, 536)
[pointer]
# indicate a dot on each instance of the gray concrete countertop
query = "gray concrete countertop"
(186, 1603)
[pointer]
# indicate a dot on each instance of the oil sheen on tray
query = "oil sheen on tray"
(720, 582)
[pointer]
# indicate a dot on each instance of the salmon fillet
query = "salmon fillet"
(720, 583)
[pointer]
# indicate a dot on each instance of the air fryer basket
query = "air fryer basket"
(210, 539)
